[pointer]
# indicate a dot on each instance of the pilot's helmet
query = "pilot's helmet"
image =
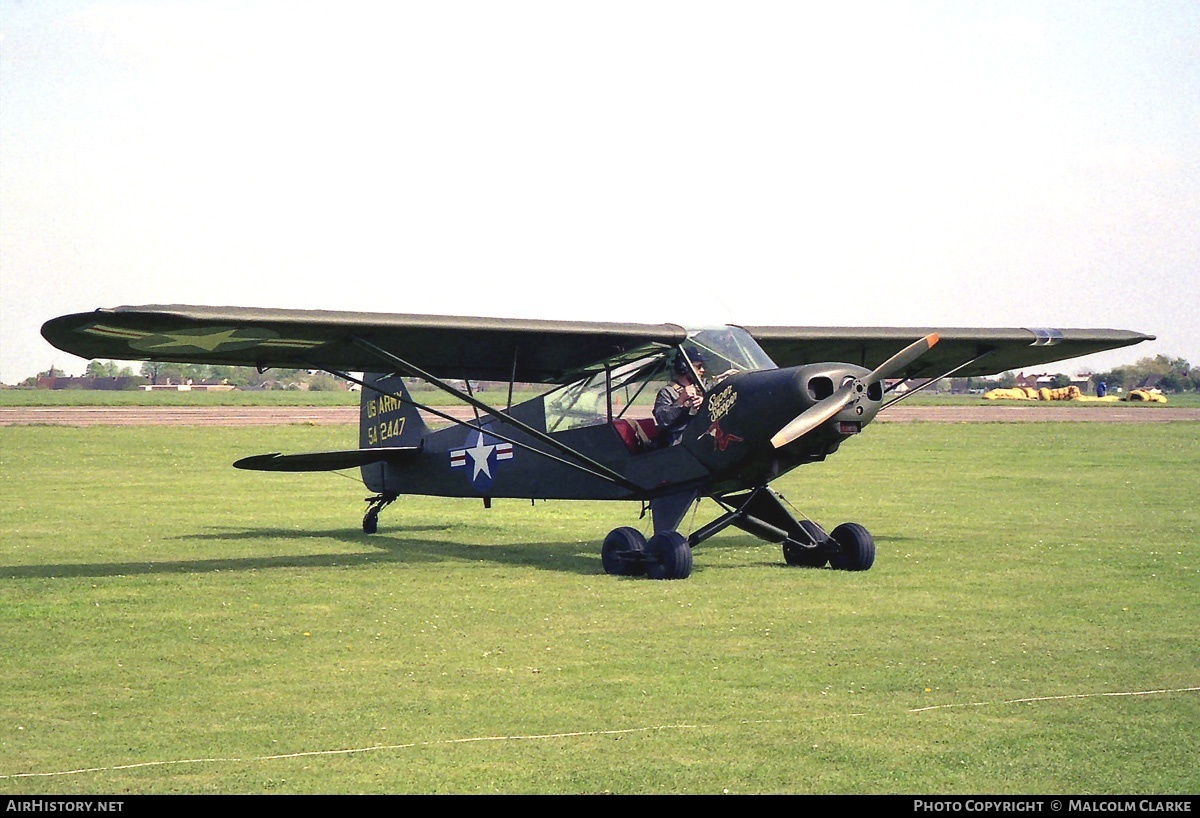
(680, 365)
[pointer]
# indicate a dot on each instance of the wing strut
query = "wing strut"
(581, 461)
(512, 378)
(932, 381)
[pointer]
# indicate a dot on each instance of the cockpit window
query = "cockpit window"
(633, 380)
(602, 396)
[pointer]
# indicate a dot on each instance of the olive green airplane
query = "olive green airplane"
(654, 413)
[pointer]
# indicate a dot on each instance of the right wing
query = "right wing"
(968, 352)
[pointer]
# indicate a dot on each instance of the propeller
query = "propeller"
(849, 392)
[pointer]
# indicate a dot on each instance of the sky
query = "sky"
(898, 163)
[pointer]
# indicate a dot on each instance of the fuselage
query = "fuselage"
(725, 447)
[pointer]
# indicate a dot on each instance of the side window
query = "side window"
(577, 404)
(603, 396)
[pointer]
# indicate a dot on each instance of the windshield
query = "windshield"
(726, 350)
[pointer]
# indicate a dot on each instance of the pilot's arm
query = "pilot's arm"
(674, 405)
(667, 407)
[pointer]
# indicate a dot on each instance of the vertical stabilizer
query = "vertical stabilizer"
(387, 418)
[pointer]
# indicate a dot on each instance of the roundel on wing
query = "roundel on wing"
(208, 339)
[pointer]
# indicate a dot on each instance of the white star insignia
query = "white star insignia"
(480, 453)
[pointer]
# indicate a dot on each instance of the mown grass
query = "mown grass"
(171, 625)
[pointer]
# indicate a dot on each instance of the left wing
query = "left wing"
(968, 352)
(445, 346)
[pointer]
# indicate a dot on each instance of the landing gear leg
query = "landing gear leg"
(761, 512)
(813, 554)
(376, 504)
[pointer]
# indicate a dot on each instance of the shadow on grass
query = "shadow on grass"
(577, 558)
(582, 558)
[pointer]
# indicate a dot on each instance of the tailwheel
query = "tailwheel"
(812, 555)
(370, 523)
(623, 552)
(856, 548)
(670, 556)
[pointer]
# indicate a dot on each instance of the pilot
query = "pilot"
(679, 401)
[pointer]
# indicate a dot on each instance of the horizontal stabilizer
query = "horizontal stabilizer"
(325, 461)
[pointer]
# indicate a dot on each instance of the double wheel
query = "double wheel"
(849, 547)
(666, 555)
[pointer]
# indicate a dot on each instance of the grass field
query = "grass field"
(171, 625)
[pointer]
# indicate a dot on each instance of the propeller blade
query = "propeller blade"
(822, 411)
(902, 358)
(815, 415)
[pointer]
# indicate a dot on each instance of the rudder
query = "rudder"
(387, 419)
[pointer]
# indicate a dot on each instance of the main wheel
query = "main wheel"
(794, 554)
(623, 552)
(856, 548)
(670, 556)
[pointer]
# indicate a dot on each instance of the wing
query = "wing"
(977, 351)
(449, 347)
(530, 351)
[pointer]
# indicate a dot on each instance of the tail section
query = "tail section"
(390, 431)
(387, 420)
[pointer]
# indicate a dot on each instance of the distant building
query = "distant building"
(189, 386)
(901, 386)
(99, 384)
(1046, 380)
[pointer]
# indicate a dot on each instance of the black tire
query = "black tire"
(670, 556)
(794, 554)
(856, 548)
(623, 552)
(371, 521)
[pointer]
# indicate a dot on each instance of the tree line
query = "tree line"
(1162, 371)
(242, 377)
(1169, 374)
